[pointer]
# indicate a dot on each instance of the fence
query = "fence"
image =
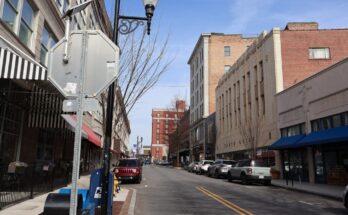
(19, 181)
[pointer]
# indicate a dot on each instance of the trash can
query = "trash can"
(59, 204)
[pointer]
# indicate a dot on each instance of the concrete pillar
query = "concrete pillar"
(278, 162)
(311, 168)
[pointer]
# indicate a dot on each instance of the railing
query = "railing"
(25, 181)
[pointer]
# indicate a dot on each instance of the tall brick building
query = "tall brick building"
(245, 96)
(212, 56)
(164, 122)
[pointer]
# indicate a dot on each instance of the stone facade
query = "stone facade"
(278, 59)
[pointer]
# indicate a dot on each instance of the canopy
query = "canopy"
(287, 142)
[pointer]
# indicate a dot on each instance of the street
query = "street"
(165, 190)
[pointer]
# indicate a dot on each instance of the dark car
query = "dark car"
(129, 170)
(220, 168)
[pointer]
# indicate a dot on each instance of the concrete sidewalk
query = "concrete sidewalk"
(123, 202)
(325, 190)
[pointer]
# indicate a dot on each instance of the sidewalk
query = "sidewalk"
(330, 191)
(122, 204)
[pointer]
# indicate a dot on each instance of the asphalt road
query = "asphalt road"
(166, 190)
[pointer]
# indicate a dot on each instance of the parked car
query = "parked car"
(129, 169)
(203, 165)
(192, 166)
(250, 171)
(220, 168)
(345, 197)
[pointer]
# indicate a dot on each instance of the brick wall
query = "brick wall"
(217, 60)
(295, 56)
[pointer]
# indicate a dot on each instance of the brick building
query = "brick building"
(164, 122)
(212, 56)
(245, 96)
(179, 141)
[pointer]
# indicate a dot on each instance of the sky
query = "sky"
(184, 20)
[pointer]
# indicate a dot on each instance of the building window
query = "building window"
(47, 41)
(10, 13)
(25, 21)
(227, 68)
(227, 51)
(319, 53)
(62, 5)
(333, 121)
(26, 26)
(293, 130)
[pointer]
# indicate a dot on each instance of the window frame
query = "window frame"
(52, 40)
(227, 51)
(19, 19)
(312, 57)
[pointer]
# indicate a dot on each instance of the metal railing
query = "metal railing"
(25, 181)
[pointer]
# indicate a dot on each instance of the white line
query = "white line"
(132, 203)
(146, 185)
(307, 203)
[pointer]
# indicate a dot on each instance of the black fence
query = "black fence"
(21, 181)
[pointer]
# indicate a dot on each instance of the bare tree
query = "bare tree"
(143, 61)
(251, 133)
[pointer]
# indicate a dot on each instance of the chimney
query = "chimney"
(180, 105)
(302, 26)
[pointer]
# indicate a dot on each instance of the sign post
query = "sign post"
(92, 65)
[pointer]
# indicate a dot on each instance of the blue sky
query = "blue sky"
(185, 20)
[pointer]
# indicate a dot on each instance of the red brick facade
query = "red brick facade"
(295, 44)
(164, 122)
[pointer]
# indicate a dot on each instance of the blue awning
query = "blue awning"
(287, 142)
(332, 135)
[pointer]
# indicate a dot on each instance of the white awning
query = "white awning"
(15, 64)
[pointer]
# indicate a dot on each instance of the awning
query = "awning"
(332, 135)
(287, 142)
(87, 132)
(15, 64)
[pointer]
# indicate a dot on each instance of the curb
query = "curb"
(309, 192)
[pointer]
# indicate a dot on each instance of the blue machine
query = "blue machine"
(95, 188)
(91, 199)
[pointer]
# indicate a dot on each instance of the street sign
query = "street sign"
(88, 104)
(101, 69)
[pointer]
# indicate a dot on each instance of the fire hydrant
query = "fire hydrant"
(117, 186)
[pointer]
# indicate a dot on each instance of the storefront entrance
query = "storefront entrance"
(295, 164)
(331, 163)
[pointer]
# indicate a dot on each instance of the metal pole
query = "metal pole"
(78, 132)
(109, 120)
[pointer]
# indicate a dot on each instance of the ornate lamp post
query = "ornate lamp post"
(122, 25)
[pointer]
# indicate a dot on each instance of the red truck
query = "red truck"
(129, 170)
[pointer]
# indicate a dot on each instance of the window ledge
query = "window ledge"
(29, 51)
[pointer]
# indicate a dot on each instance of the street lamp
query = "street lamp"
(122, 25)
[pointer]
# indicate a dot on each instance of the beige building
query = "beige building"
(212, 56)
(314, 127)
(246, 109)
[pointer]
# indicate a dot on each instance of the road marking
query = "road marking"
(307, 203)
(225, 202)
(145, 185)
